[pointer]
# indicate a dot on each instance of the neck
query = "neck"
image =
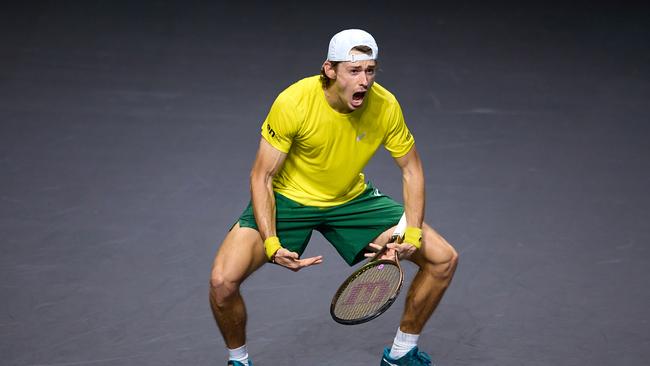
(335, 102)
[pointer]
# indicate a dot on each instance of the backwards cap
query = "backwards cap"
(343, 42)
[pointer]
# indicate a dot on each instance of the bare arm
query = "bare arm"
(267, 163)
(413, 187)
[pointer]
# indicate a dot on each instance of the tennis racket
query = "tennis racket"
(372, 289)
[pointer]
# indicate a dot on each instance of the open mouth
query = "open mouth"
(358, 95)
(357, 98)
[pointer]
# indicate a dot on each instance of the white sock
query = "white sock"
(239, 354)
(402, 344)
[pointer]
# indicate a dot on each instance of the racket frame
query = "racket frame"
(374, 262)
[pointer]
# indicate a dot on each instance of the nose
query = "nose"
(363, 79)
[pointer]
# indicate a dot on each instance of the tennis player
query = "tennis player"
(316, 140)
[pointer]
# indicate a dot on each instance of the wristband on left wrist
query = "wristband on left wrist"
(413, 235)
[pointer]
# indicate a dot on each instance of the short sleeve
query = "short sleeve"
(398, 140)
(281, 124)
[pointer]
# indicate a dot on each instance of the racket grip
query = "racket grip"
(397, 235)
(399, 229)
(393, 239)
(379, 253)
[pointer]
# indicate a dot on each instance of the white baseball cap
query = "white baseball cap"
(343, 42)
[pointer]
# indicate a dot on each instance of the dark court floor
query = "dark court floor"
(127, 131)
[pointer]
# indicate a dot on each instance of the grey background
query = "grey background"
(127, 131)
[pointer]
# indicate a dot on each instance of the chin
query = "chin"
(354, 108)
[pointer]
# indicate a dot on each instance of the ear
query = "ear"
(329, 70)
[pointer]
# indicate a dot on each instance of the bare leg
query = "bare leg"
(437, 260)
(240, 254)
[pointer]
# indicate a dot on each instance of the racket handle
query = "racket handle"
(399, 229)
(379, 253)
(397, 235)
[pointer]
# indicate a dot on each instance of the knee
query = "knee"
(444, 266)
(452, 262)
(221, 288)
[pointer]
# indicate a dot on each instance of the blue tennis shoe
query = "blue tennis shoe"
(412, 358)
(237, 363)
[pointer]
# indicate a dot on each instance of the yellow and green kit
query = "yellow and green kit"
(321, 185)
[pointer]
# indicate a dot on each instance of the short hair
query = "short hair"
(325, 80)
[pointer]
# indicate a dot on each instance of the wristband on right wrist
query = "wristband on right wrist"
(271, 245)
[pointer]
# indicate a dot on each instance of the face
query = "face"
(352, 81)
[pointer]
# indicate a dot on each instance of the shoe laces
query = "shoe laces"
(424, 358)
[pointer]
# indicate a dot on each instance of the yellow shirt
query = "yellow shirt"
(328, 150)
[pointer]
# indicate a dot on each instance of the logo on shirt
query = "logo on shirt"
(270, 130)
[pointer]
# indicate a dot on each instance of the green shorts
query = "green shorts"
(349, 227)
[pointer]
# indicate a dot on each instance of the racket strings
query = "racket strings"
(368, 292)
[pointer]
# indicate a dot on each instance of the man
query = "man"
(307, 175)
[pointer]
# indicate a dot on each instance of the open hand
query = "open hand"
(404, 250)
(292, 261)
